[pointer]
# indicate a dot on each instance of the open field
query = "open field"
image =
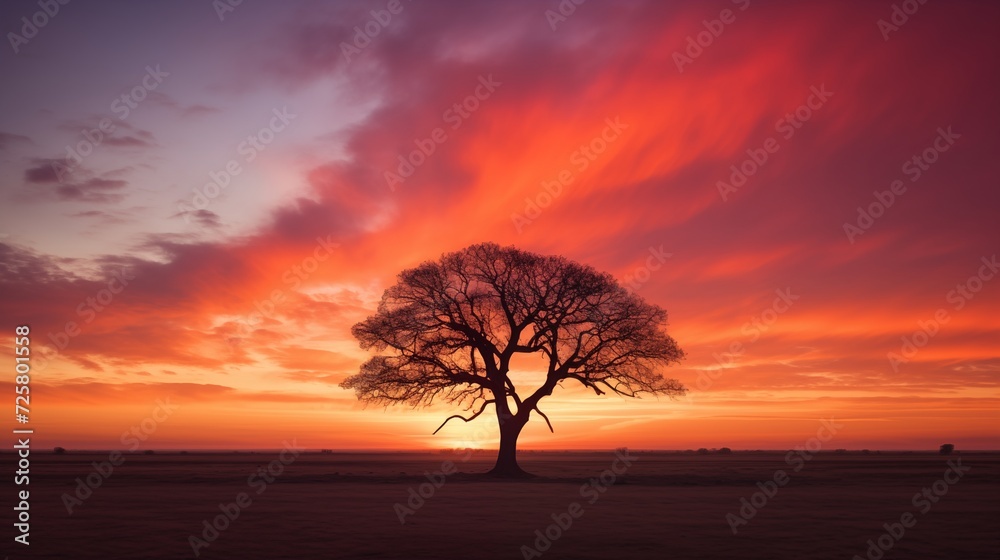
(670, 505)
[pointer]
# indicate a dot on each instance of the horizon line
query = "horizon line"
(715, 451)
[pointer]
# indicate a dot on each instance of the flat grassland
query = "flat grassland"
(665, 505)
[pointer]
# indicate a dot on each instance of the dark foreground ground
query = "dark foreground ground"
(669, 506)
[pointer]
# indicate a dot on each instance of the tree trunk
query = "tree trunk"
(506, 465)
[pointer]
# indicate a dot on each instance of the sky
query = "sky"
(199, 200)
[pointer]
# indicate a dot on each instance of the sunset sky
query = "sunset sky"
(311, 113)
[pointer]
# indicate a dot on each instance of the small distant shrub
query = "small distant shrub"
(148, 452)
(725, 451)
(946, 449)
(702, 451)
(840, 451)
(59, 451)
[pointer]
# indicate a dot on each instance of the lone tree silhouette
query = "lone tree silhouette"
(451, 328)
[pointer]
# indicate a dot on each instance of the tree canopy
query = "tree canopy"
(448, 329)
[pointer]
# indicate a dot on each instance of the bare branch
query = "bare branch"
(469, 419)
(539, 411)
